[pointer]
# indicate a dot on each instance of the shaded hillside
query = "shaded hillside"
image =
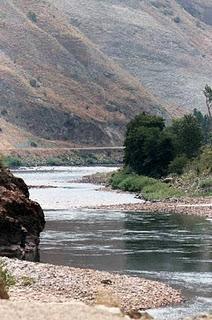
(199, 9)
(166, 44)
(56, 85)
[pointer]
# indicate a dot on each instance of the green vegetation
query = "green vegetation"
(32, 16)
(150, 188)
(197, 174)
(183, 150)
(27, 281)
(6, 281)
(186, 136)
(208, 95)
(205, 123)
(148, 147)
(155, 151)
(13, 162)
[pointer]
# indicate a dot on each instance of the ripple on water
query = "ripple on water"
(172, 248)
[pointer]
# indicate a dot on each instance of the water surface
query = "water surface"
(173, 248)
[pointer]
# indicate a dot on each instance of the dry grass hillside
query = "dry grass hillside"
(56, 86)
(166, 44)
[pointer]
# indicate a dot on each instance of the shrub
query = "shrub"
(150, 188)
(32, 16)
(34, 83)
(13, 162)
(27, 281)
(202, 165)
(206, 184)
(186, 135)
(6, 281)
(178, 164)
(33, 144)
(177, 19)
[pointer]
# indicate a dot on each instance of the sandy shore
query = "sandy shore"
(49, 283)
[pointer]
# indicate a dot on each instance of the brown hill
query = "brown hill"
(56, 85)
(166, 44)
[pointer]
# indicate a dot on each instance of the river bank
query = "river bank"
(162, 247)
(189, 206)
(49, 283)
(199, 206)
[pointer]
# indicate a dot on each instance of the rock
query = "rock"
(134, 314)
(168, 180)
(106, 281)
(21, 219)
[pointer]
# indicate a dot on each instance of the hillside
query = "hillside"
(57, 87)
(166, 44)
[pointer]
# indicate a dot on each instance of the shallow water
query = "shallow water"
(173, 248)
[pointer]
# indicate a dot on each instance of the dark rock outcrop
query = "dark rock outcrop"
(21, 219)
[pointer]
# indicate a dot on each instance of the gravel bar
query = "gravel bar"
(49, 283)
(197, 207)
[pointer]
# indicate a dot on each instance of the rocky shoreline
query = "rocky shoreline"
(49, 283)
(198, 207)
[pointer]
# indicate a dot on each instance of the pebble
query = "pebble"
(60, 283)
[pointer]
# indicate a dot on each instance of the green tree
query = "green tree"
(205, 122)
(148, 148)
(187, 136)
(208, 95)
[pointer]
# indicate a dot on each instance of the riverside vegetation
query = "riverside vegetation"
(164, 162)
(6, 280)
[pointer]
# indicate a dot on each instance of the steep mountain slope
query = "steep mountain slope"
(201, 9)
(56, 85)
(166, 44)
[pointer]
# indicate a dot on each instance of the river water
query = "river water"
(175, 249)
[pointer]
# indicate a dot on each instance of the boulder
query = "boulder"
(21, 219)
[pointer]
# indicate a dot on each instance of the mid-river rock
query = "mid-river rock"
(21, 219)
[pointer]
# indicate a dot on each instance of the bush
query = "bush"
(6, 281)
(150, 188)
(27, 281)
(13, 162)
(202, 165)
(206, 184)
(32, 16)
(186, 136)
(178, 164)
(33, 144)
(177, 19)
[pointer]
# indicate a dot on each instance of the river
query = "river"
(173, 248)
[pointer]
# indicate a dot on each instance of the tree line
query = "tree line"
(154, 149)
